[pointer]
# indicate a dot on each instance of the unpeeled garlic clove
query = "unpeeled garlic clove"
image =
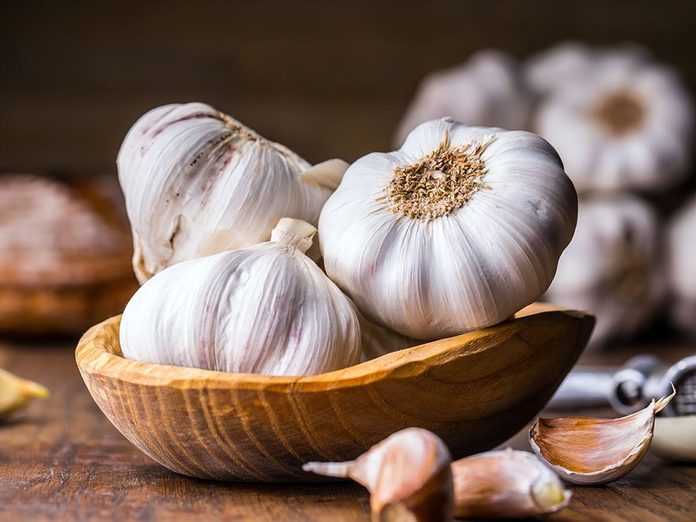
(595, 451)
(408, 475)
(15, 392)
(506, 484)
(675, 438)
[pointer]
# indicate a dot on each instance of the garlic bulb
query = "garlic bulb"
(682, 267)
(198, 182)
(595, 451)
(611, 267)
(457, 230)
(570, 62)
(408, 475)
(622, 123)
(485, 90)
(265, 309)
(506, 484)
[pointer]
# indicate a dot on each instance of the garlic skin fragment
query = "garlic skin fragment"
(612, 266)
(506, 484)
(198, 182)
(265, 309)
(408, 475)
(623, 123)
(457, 230)
(595, 451)
(681, 249)
(675, 438)
(486, 90)
(16, 393)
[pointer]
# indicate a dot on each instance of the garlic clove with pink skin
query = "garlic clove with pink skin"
(408, 475)
(506, 484)
(590, 451)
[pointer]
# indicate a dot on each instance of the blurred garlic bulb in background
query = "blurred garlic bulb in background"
(457, 230)
(623, 122)
(611, 267)
(198, 182)
(265, 309)
(486, 90)
(570, 62)
(682, 267)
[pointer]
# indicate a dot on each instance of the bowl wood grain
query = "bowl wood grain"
(473, 390)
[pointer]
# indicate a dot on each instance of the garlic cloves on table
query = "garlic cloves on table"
(408, 475)
(595, 451)
(16, 393)
(506, 484)
(265, 309)
(612, 266)
(486, 90)
(457, 230)
(198, 182)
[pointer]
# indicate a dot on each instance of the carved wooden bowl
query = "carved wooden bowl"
(474, 390)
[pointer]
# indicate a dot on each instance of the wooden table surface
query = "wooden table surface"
(61, 459)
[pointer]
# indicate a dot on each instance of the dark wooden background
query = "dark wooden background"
(325, 78)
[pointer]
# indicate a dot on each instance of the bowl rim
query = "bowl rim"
(93, 357)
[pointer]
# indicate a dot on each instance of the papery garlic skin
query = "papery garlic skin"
(198, 182)
(473, 263)
(612, 267)
(265, 309)
(486, 90)
(624, 123)
(681, 246)
(506, 484)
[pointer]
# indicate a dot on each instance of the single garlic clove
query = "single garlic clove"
(595, 451)
(675, 438)
(506, 484)
(15, 392)
(408, 475)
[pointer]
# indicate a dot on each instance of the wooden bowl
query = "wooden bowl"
(474, 390)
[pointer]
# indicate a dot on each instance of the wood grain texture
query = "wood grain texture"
(61, 459)
(474, 390)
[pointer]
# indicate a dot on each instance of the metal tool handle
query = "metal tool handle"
(620, 388)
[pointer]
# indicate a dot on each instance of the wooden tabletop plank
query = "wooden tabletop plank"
(62, 459)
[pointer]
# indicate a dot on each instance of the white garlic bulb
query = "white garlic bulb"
(682, 267)
(198, 182)
(265, 309)
(457, 230)
(611, 267)
(623, 123)
(486, 90)
(570, 62)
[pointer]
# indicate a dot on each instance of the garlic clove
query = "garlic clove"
(15, 392)
(587, 451)
(506, 484)
(408, 475)
(675, 438)
(327, 174)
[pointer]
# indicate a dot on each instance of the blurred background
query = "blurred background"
(327, 79)
(336, 80)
